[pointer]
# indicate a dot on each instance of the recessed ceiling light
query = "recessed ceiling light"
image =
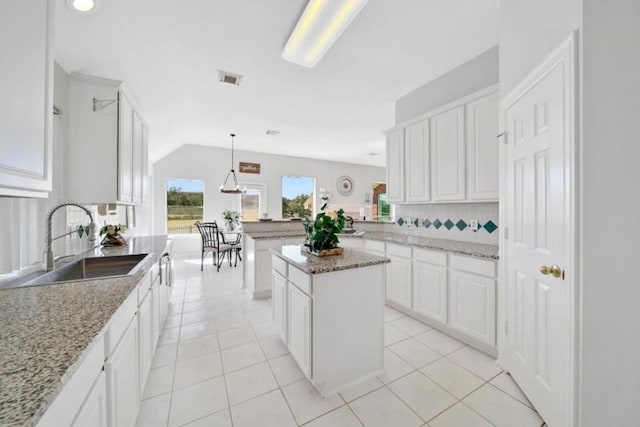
(321, 24)
(82, 6)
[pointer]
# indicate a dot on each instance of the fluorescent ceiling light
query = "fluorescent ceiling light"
(320, 25)
(82, 6)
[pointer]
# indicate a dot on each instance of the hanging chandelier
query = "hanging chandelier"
(233, 188)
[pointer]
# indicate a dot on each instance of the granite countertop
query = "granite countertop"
(266, 235)
(46, 331)
(311, 264)
(454, 246)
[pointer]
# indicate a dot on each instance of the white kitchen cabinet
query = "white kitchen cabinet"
(145, 330)
(145, 165)
(122, 372)
(299, 328)
(26, 110)
(430, 290)
(482, 149)
(472, 305)
(106, 145)
(351, 242)
(155, 311)
(94, 410)
(398, 280)
(417, 167)
(395, 166)
(448, 155)
(279, 305)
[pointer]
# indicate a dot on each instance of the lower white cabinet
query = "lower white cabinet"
(146, 331)
(94, 410)
(472, 305)
(430, 290)
(351, 242)
(122, 372)
(279, 304)
(398, 280)
(299, 331)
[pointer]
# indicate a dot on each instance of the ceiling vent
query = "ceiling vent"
(273, 132)
(226, 77)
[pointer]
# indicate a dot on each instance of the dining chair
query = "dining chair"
(235, 240)
(212, 242)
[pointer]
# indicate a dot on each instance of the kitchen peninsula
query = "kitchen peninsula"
(329, 312)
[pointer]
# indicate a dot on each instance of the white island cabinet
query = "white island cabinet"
(329, 312)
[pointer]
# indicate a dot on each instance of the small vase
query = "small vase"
(231, 226)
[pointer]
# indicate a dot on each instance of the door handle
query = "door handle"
(553, 270)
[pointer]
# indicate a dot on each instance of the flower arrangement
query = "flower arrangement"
(112, 229)
(231, 218)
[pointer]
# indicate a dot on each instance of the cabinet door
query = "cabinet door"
(430, 290)
(122, 380)
(94, 410)
(398, 281)
(299, 330)
(26, 85)
(351, 242)
(279, 304)
(395, 166)
(145, 164)
(137, 146)
(145, 330)
(482, 148)
(125, 149)
(448, 156)
(472, 305)
(416, 150)
(155, 312)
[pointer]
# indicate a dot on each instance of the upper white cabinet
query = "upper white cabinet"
(448, 156)
(26, 85)
(416, 151)
(107, 143)
(395, 166)
(482, 148)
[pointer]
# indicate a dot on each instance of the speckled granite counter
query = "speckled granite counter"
(46, 330)
(352, 258)
(454, 246)
(266, 235)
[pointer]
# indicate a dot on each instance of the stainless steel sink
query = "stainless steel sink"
(91, 268)
(348, 231)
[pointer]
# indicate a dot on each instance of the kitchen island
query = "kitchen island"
(329, 313)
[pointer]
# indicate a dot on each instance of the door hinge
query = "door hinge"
(503, 136)
(506, 328)
(506, 233)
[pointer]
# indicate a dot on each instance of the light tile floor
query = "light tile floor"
(220, 363)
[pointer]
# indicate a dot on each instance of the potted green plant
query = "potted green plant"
(112, 236)
(322, 234)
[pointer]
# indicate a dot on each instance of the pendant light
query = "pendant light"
(235, 189)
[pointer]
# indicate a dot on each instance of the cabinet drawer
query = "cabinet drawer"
(279, 265)
(266, 244)
(119, 322)
(432, 257)
(399, 251)
(374, 246)
(301, 279)
(483, 267)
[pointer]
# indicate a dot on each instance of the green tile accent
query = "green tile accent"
(415, 222)
(490, 227)
(449, 224)
(400, 222)
(427, 223)
(461, 225)
(437, 224)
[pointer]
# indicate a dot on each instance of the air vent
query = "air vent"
(230, 78)
(273, 132)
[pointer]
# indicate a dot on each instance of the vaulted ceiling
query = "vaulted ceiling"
(169, 53)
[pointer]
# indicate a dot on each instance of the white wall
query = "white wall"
(476, 74)
(529, 31)
(211, 165)
(610, 207)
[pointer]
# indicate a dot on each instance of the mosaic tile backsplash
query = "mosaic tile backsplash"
(450, 221)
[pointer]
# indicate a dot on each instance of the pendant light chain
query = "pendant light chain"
(232, 173)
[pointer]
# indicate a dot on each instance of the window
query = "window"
(382, 210)
(250, 204)
(298, 196)
(185, 203)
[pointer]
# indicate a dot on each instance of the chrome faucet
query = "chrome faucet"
(48, 255)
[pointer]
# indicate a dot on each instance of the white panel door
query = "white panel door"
(483, 157)
(122, 380)
(136, 159)
(398, 281)
(125, 149)
(472, 306)
(448, 156)
(279, 304)
(94, 410)
(430, 290)
(395, 166)
(537, 120)
(299, 331)
(416, 152)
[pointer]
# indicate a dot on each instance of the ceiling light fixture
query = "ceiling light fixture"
(321, 24)
(235, 189)
(82, 6)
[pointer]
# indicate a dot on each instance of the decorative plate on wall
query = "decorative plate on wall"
(344, 185)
